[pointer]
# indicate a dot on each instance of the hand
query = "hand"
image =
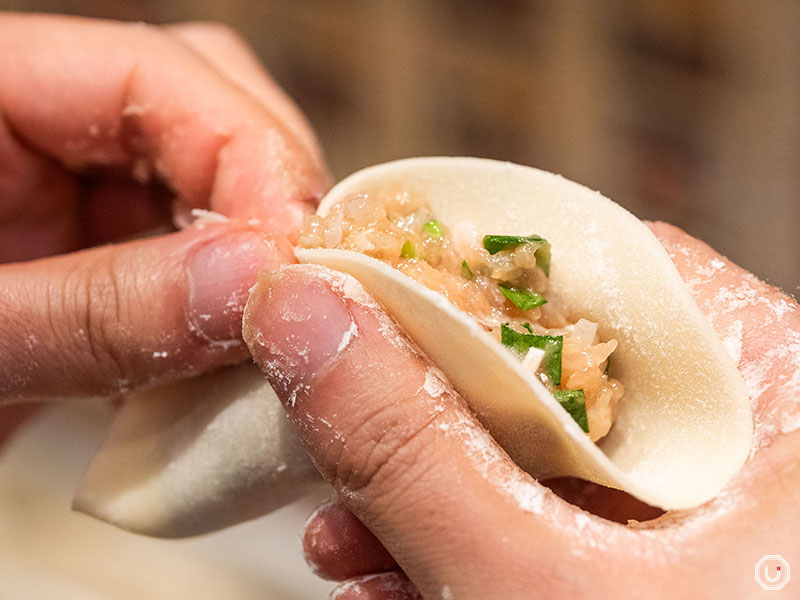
(446, 509)
(102, 124)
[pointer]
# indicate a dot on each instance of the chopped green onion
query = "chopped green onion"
(542, 255)
(408, 250)
(528, 327)
(574, 402)
(433, 229)
(521, 298)
(496, 243)
(466, 272)
(552, 346)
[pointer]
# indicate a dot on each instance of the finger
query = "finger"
(380, 586)
(38, 202)
(113, 318)
(338, 546)
(757, 323)
(44, 210)
(131, 95)
(400, 447)
(226, 51)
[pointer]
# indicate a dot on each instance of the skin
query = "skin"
(111, 130)
(108, 130)
(457, 516)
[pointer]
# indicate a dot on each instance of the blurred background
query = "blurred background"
(682, 110)
(686, 111)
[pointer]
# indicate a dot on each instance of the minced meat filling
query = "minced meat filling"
(495, 289)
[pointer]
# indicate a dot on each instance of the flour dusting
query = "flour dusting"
(391, 584)
(582, 520)
(348, 335)
(435, 385)
(203, 217)
(494, 465)
(733, 341)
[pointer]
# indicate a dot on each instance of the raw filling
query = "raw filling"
(501, 281)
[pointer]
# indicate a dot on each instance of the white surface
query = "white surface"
(47, 551)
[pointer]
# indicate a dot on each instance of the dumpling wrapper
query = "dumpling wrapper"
(197, 456)
(685, 423)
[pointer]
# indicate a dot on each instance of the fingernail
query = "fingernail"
(221, 273)
(295, 325)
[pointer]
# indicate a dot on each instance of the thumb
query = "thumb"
(113, 318)
(399, 445)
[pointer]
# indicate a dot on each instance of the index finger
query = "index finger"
(96, 93)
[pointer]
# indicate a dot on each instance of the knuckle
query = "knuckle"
(387, 452)
(70, 329)
(96, 297)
